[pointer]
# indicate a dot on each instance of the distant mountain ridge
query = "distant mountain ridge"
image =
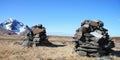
(4, 31)
(14, 26)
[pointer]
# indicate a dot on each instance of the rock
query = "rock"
(104, 58)
(92, 39)
(87, 50)
(83, 53)
(26, 43)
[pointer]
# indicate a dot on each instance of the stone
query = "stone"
(92, 39)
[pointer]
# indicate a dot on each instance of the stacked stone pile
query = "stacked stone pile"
(36, 36)
(92, 39)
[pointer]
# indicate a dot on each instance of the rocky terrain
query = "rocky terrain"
(11, 49)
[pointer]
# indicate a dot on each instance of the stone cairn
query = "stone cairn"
(36, 36)
(92, 39)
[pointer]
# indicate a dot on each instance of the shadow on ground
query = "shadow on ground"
(49, 44)
(116, 53)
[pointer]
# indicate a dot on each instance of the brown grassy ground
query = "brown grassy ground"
(12, 50)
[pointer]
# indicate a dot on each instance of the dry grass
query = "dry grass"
(12, 50)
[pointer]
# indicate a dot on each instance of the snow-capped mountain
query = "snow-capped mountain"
(15, 26)
(4, 31)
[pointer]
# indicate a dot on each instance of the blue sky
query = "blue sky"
(63, 17)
